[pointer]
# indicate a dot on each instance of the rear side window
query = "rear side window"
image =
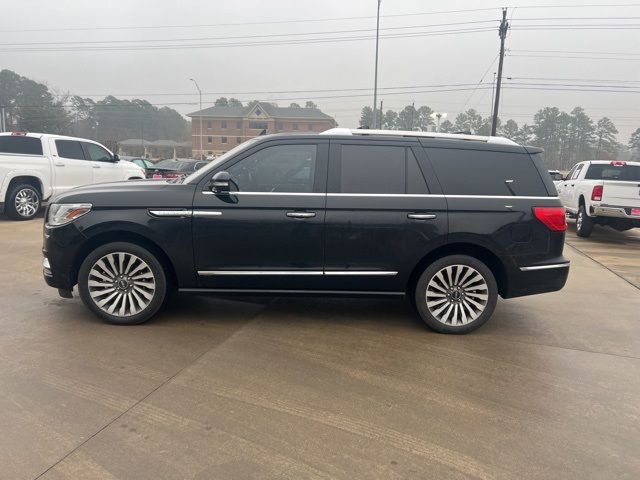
(372, 169)
(478, 172)
(629, 173)
(69, 149)
(20, 145)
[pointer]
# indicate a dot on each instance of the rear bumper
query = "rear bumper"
(614, 211)
(1, 208)
(538, 278)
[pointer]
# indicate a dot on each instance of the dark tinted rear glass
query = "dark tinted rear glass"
(629, 173)
(415, 180)
(372, 169)
(20, 145)
(69, 149)
(478, 172)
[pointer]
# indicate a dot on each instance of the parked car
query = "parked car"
(173, 168)
(600, 192)
(141, 162)
(36, 166)
(556, 176)
(449, 221)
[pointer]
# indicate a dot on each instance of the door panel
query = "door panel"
(70, 167)
(270, 238)
(102, 164)
(375, 236)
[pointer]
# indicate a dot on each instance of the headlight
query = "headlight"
(63, 213)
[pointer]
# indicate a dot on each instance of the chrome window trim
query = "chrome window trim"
(545, 267)
(212, 273)
(206, 213)
(390, 195)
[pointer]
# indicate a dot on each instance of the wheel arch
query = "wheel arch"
(125, 236)
(482, 253)
(32, 180)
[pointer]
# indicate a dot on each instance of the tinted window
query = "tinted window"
(415, 180)
(630, 173)
(577, 171)
(372, 169)
(281, 168)
(20, 145)
(69, 149)
(477, 172)
(96, 152)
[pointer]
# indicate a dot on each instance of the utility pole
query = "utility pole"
(201, 132)
(3, 120)
(493, 92)
(375, 79)
(381, 115)
(413, 109)
(502, 31)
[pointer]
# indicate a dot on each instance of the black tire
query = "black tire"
(92, 295)
(13, 207)
(584, 223)
(461, 298)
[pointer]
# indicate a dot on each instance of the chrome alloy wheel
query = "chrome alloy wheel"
(579, 220)
(457, 295)
(121, 284)
(26, 202)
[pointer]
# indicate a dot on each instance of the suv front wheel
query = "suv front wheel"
(122, 283)
(456, 294)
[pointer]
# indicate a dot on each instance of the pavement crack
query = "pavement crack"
(601, 264)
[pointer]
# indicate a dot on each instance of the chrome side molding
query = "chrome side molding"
(213, 273)
(545, 267)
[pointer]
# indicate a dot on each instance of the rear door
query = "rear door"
(384, 213)
(71, 167)
(268, 233)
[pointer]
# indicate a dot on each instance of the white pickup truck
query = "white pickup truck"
(599, 192)
(36, 166)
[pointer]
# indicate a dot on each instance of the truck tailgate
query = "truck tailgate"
(621, 193)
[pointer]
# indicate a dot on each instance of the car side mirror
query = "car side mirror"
(116, 158)
(220, 183)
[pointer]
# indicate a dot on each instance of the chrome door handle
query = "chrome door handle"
(301, 214)
(96, 166)
(421, 216)
(59, 164)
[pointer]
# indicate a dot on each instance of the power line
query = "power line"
(576, 51)
(575, 57)
(246, 44)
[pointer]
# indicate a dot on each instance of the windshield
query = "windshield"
(221, 159)
(629, 173)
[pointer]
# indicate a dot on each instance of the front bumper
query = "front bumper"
(614, 211)
(59, 251)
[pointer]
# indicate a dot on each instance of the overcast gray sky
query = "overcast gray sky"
(161, 75)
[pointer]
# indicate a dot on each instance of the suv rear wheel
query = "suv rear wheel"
(23, 202)
(456, 294)
(584, 223)
(122, 283)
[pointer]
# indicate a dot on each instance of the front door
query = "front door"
(104, 168)
(382, 214)
(71, 169)
(268, 232)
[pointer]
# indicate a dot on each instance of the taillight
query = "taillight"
(618, 163)
(596, 193)
(553, 217)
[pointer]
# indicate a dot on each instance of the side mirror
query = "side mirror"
(116, 158)
(220, 183)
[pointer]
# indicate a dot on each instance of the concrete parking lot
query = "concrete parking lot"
(318, 388)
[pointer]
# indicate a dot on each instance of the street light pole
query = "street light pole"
(375, 81)
(201, 132)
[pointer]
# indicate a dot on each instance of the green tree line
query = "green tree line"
(566, 138)
(32, 106)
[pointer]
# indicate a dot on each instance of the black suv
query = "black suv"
(449, 221)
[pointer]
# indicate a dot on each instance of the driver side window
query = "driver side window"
(281, 168)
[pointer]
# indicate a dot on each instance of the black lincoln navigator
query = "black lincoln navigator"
(449, 221)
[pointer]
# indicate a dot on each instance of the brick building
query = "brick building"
(225, 127)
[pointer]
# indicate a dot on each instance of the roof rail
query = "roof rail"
(406, 133)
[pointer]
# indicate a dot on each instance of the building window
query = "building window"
(259, 125)
(209, 139)
(238, 124)
(258, 112)
(280, 126)
(209, 124)
(209, 152)
(310, 126)
(238, 139)
(223, 124)
(295, 126)
(224, 139)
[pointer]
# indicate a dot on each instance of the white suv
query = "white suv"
(36, 166)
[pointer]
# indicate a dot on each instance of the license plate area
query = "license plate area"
(635, 212)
